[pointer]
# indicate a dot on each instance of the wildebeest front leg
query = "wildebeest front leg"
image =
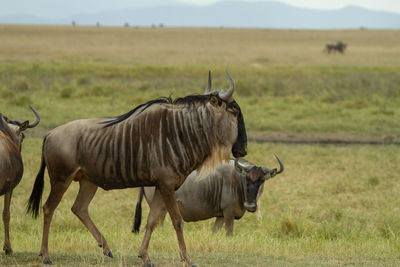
(87, 190)
(152, 220)
(229, 219)
(219, 221)
(6, 222)
(168, 195)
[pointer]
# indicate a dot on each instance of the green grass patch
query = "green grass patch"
(322, 100)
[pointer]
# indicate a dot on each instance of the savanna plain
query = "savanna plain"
(333, 205)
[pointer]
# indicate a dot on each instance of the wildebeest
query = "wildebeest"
(158, 143)
(11, 165)
(337, 46)
(226, 194)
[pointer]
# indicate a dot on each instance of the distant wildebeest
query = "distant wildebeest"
(11, 166)
(338, 46)
(225, 194)
(158, 143)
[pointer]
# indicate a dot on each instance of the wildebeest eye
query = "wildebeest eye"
(214, 100)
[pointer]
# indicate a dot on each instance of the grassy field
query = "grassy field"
(359, 101)
(333, 205)
(196, 46)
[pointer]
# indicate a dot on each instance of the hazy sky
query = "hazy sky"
(387, 5)
(64, 8)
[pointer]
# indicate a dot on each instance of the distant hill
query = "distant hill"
(229, 14)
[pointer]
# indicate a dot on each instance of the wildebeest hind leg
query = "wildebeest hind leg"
(6, 221)
(152, 219)
(162, 215)
(168, 195)
(219, 221)
(87, 190)
(57, 191)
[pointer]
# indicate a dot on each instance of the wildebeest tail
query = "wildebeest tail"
(37, 191)
(138, 212)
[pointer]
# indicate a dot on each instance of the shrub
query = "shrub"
(21, 100)
(21, 86)
(66, 92)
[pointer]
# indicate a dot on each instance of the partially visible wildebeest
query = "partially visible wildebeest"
(158, 143)
(338, 46)
(11, 166)
(225, 194)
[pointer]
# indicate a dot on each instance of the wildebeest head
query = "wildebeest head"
(255, 178)
(15, 128)
(224, 99)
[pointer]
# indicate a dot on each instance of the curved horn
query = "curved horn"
(37, 120)
(208, 89)
(232, 84)
(243, 164)
(227, 94)
(281, 167)
(274, 171)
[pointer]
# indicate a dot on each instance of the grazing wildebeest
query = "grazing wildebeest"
(11, 166)
(158, 143)
(338, 46)
(225, 194)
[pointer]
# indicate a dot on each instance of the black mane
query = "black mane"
(189, 100)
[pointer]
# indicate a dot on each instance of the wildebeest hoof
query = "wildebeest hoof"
(108, 253)
(8, 251)
(148, 264)
(47, 261)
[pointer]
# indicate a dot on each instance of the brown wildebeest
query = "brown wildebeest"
(225, 194)
(158, 143)
(339, 46)
(11, 166)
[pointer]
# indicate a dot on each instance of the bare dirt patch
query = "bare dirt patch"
(310, 138)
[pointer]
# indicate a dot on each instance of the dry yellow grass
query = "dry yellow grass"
(331, 206)
(195, 46)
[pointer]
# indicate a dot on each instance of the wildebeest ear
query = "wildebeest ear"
(268, 174)
(24, 126)
(265, 170)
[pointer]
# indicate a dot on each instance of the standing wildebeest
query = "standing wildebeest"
(338, 46)
(11, 166)
(158, 143)
(226, 194)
